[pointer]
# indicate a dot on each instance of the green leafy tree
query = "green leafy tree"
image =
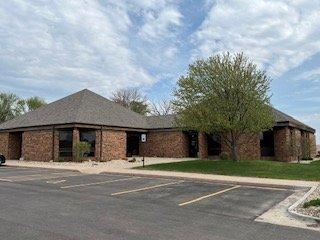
(12, 106)
(33, 103)
(226, 94)
(132, 99)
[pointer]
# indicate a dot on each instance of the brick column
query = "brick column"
(55, 145)
(114, 144)
(281, 142)
(297, 141)
(75, 139)
(287, 144)
(313, 145)
(97, 150)
(203, 146)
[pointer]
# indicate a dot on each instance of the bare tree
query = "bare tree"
(132, 99)
(162, 108)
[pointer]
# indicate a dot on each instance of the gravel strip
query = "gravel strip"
(122, 164)
(310, 211)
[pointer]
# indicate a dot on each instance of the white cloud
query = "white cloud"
(311, 75)
(67, 44)
(159, 25)
(308, 118)
(170, 52)
(278, 35)
(149, 4)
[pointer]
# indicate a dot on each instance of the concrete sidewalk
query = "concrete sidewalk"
(92, 168)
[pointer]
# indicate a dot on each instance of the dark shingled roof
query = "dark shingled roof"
(161, 122)
(82, 107)
(87, 107)
(282, 118)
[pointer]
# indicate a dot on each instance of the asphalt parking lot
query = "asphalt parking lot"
(59, 204)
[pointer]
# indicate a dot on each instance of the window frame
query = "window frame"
(68, 148)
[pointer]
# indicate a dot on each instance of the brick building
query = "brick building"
(114, 132)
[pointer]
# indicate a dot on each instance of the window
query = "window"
(214, 144)
(65, 143)
(267, 144)
(89, 136)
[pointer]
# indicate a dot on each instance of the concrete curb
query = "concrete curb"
(292, 211)
(267, 182)
(207, 179)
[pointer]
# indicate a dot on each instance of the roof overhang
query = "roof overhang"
(290, 124)
(72, 125)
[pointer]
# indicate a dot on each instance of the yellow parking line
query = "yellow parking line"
(97, 183)
(145, 188)
(207, 196)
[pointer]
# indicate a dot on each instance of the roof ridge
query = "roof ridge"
(78, 111)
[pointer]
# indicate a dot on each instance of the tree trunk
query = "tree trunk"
(234, 150)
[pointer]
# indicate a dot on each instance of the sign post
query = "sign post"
(143, 139)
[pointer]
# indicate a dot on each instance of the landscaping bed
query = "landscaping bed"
(258, 168)
(311, 206)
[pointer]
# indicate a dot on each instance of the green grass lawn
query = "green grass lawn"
(266, 169)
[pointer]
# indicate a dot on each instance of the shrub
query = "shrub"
(80, 149)
(224, 156)
(60, 159)
(314, 202)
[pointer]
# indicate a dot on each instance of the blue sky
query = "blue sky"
(54, 48)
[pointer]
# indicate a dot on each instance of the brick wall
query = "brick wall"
(248, 147)
(114, 144)
(37, 145)
(4, 144)
(165, 144)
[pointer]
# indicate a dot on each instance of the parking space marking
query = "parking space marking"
(209, 195)
(15, 168)
(97, 183)
(43, 178)
(146, 188)
(17, 177)
(5, 180)
(56, 181)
